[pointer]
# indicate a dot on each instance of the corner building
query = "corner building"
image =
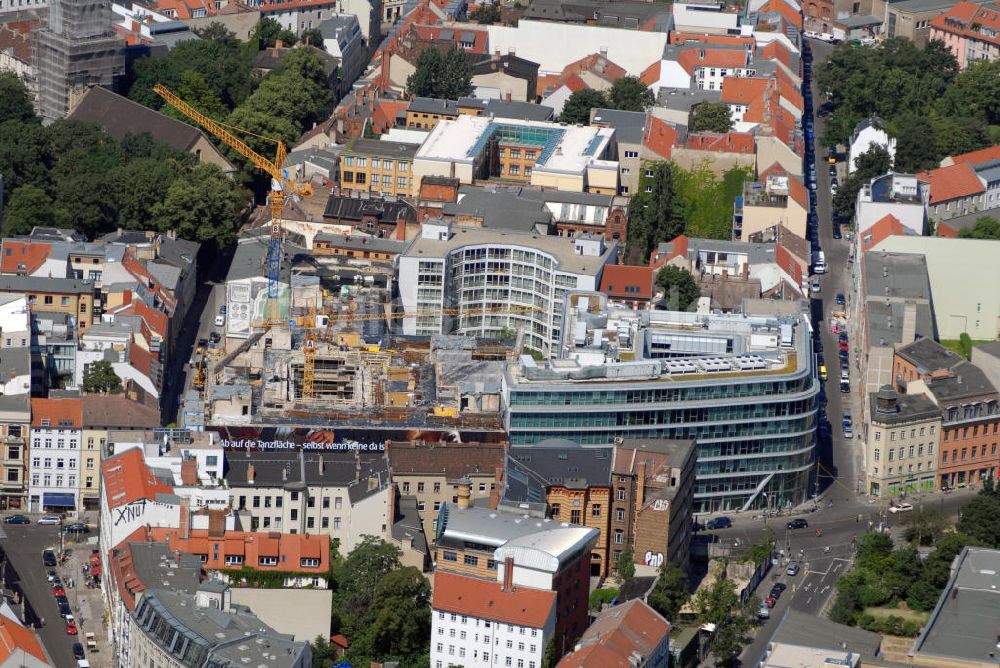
(742, 387)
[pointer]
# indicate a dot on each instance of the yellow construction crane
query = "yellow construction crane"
(309, 350)
(280, 181)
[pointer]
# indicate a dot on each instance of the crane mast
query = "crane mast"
(279, 183)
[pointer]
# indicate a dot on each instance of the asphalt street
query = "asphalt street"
(23, 546)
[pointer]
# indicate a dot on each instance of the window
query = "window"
(621, 493)
(631, 154)
(449, 556)
(326, 502)
(470, 560)
(878, 436)
(620, 515)
(90, 482)
(268, 561)
(437, 488)
(619, 536)
(336, 522)
(12, 475)
(878, 454)
(595, 511)
(310, 522)
(420, 488)
(309, 562)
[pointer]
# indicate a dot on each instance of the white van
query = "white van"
(819, 263)
(82, 663)
(220, 320)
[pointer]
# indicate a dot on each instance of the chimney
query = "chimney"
(496, 56)
(640, 486)
(322, 465)
(464, 492)
(185, 519)
(497, 491)
(400, 232)
(250, 474)
(189, 471)
(508, 574)
(508, 96)
(279, 44)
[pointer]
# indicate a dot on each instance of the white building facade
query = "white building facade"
(54, 463)
(520, 279)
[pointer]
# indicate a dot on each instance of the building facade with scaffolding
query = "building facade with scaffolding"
(75, 51)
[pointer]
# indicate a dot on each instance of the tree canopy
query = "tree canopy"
(670, 592)
(74, 174)
(680, 287)
(447, 75)
(382, 607)
(15, 103)
(630, 94)
(578, 105)
(711, 117)
(269, 32)
(984, 228)
(874, 162)
(932, 108)
(486, 13)
(101, 378)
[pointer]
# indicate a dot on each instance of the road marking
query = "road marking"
(3, 534)
(809, 600)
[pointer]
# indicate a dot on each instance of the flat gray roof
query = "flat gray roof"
(799, 628)
(562, 248)
(896, 278)
(917, 6)
(963, 625)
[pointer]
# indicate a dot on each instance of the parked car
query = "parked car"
(77, 527)
(719, 523)
(778, 589)
(848, 424)
(58, 591)
(840, 299)
(220, 320)
(64, 609)
(16, 519)
(822, 372)
(763, 612)
(50, 519)
(61, 599)
(798, 523)
(836, 232)
(78, 652)
(833, 170)
(214, 337)
(793, 569)
(223, 309)
(49, 558)
(71, 627)
(815, 287)
(51, 575)
(901, 508)
(843, 354)
(55, 581)
(770, 601)
(845, 387)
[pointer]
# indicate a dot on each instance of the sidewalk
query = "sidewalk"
(86, 602)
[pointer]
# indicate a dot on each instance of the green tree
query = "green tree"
(984, 228)
(630, 94)
(915, 147)
(924, 526)
(578, 105)
(357, 577)
(715, 604)
(711, 117)
(268, 33)
(100, 378)
(874, 162)
(202, 205)
(551, 656)
(398, 622)
(656, 215)
(486, 13)
(28, 206)
(307, 65)
(323, 653)
(313, 37)
(446, 76)
(847, 604)
(670, 592)
(216, 32)
(979, 517)
(24, 155)
(194, 89)
(139, 186)
(625, 564)
(15, 103)
(680, 287)
(873, 551)
(728, 641)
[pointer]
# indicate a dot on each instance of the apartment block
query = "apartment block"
(901, 438)
(494, 282)
(381, 167)
(54, 451)
(433, 473)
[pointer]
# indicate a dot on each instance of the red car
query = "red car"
(71, 628)
(844, 345)
(770, 600)
(58, 591)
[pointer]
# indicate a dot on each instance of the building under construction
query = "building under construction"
(75, 51)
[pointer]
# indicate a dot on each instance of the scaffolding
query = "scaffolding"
(546, 138)
(76, 51)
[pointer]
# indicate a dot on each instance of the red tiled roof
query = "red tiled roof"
(384, 116)
(969, 20)
(976, 157)
(126, 478)
(486, 600)
(433, 33)
(597, 64)
(789, 92)
(29, 254)
(743, 90)
(659, 136)
(787, 263)
(730, 142)
(290, 549)
(651, 74)
(56, 413)
(884, 227)
(630, 628)
(797, 191)
(184, 9)
(787, 12)
(17, 37)
(286, 5)
(627, 281)
(693, 58)
(15, 638)
(775, 50)
(678, 246)
(954, 182)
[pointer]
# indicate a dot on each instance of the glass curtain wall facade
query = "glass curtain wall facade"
(755, 435)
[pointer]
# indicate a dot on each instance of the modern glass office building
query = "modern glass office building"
(743, 387)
